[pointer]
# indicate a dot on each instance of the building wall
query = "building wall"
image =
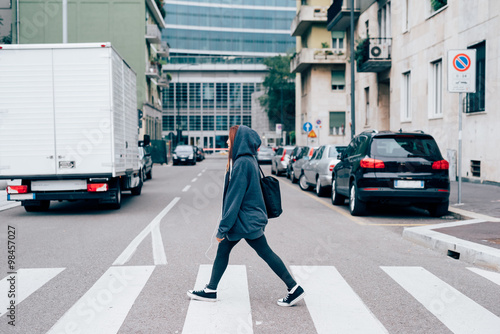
(458, 26)
(6, 16)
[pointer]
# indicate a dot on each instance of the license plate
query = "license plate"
(66, 164)
(58, 185)
(18, 197)
(404, 184)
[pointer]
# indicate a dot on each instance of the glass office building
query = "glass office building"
(217, 49)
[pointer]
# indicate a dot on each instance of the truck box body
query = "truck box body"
(66, 110)
(68, 115)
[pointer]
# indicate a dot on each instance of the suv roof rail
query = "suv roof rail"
(370, 131)
(420, 131)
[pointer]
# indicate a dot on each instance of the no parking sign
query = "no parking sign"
(462, 71)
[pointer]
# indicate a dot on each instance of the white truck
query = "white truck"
(68, 124)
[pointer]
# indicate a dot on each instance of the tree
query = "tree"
(280, 92)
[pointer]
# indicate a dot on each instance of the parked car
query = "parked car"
(318, 170)
(200, 154)
(402, 167)
(184, 154)
(281, 159)
(265, 154)
(296, 166)
(293, 157)
(146, 162)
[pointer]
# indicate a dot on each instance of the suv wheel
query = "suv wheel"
(337, 199)
(438, 210)
(320, 191)
(303, 183)
(356, 207)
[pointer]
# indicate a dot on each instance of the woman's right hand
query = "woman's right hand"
(219, 240)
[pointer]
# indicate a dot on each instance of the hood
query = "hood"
(246, 142)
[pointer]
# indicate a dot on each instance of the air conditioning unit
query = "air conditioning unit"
(379, 51)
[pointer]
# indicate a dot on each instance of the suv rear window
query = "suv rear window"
(405, 147)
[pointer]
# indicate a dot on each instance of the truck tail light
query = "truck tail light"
(330, 168)
(97, 187)
(17, 189)
(441, 164)
(371, 163)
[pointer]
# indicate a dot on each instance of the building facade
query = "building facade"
(320, 64)
(5, 21)
(132, 27)
(216, 63)
(401, 80)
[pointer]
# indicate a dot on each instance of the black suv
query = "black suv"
(392, 167)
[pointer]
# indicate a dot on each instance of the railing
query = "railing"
(308, 56)
(152, 70)
(164, 49)
(215, 60)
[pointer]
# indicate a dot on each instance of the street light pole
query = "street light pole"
(353, 116)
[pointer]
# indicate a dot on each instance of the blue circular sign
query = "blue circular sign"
(307, 127)
(461, 62)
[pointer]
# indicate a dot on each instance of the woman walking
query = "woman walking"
(244, 217)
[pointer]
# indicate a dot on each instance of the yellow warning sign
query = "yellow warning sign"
(312, 134)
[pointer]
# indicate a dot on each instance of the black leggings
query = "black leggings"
(263, 250)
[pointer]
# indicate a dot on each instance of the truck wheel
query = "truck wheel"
(42, 207)
(118, 197)
(137, 190)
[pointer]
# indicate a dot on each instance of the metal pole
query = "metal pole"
(282, 124)
(65, 20)
(353, 118)
(460, 110)
(18, 22)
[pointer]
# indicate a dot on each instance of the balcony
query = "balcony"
(153, 34)
(307, 57)
(163, 50)
(374, 55)
(164, 81)
(152, 71)
(339, 14)
(306, 17)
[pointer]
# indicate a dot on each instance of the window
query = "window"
(235, 96)
(384, 21)
(208, 96)
(304, 83)
(168, 98)
(181, 95)
(337, 123)
(195, 122)
(406, 98)
(248, 89)
(194, 95)
(338, 40)
(437, 5)
(476, 101)
(338, 79)
(436, 89)
(221, 95)
(406, 17)
(208, 123)
(367, 106)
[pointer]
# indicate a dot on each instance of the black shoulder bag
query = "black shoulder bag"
(272, 195)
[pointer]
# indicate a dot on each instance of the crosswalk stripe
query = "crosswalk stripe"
(456, 311)
(230, 314)
(26, 281)
(333, 304)
(105, 306)
(494, 277)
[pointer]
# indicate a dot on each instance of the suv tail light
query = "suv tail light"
(441, 164)
(330, 168)
(371, 163)
(17, 189)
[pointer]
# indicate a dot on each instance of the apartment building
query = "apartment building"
(401, 79)
(321, 65)
(216, 64)
(132, 27)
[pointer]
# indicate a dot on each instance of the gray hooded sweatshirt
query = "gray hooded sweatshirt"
(243, 210)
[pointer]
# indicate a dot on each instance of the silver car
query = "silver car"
(318, 171)
(295, 167)
(281, 159)
(265, 154)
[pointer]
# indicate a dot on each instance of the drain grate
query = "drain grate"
(453, 254)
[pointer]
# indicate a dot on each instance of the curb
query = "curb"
(464, 250)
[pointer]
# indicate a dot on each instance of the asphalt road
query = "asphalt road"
(85, 270)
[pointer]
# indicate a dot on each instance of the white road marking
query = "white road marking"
(199, 175)
(333, 304)
(159, 255)
(194, 180)
(26, 281)
(105, 306)
(186, 188)
(132, 247)
(494, 277)
(230, 314)
(456, 311)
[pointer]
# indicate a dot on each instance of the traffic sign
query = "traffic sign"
(462, 71)
(307, 127)
(312, 134)
(318, 122)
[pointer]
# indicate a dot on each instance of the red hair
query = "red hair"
(232, 135)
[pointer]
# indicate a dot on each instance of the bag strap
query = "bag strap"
(263, 175)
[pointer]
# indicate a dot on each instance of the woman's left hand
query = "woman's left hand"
(219, 240)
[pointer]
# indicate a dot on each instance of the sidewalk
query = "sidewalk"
(474, 239)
